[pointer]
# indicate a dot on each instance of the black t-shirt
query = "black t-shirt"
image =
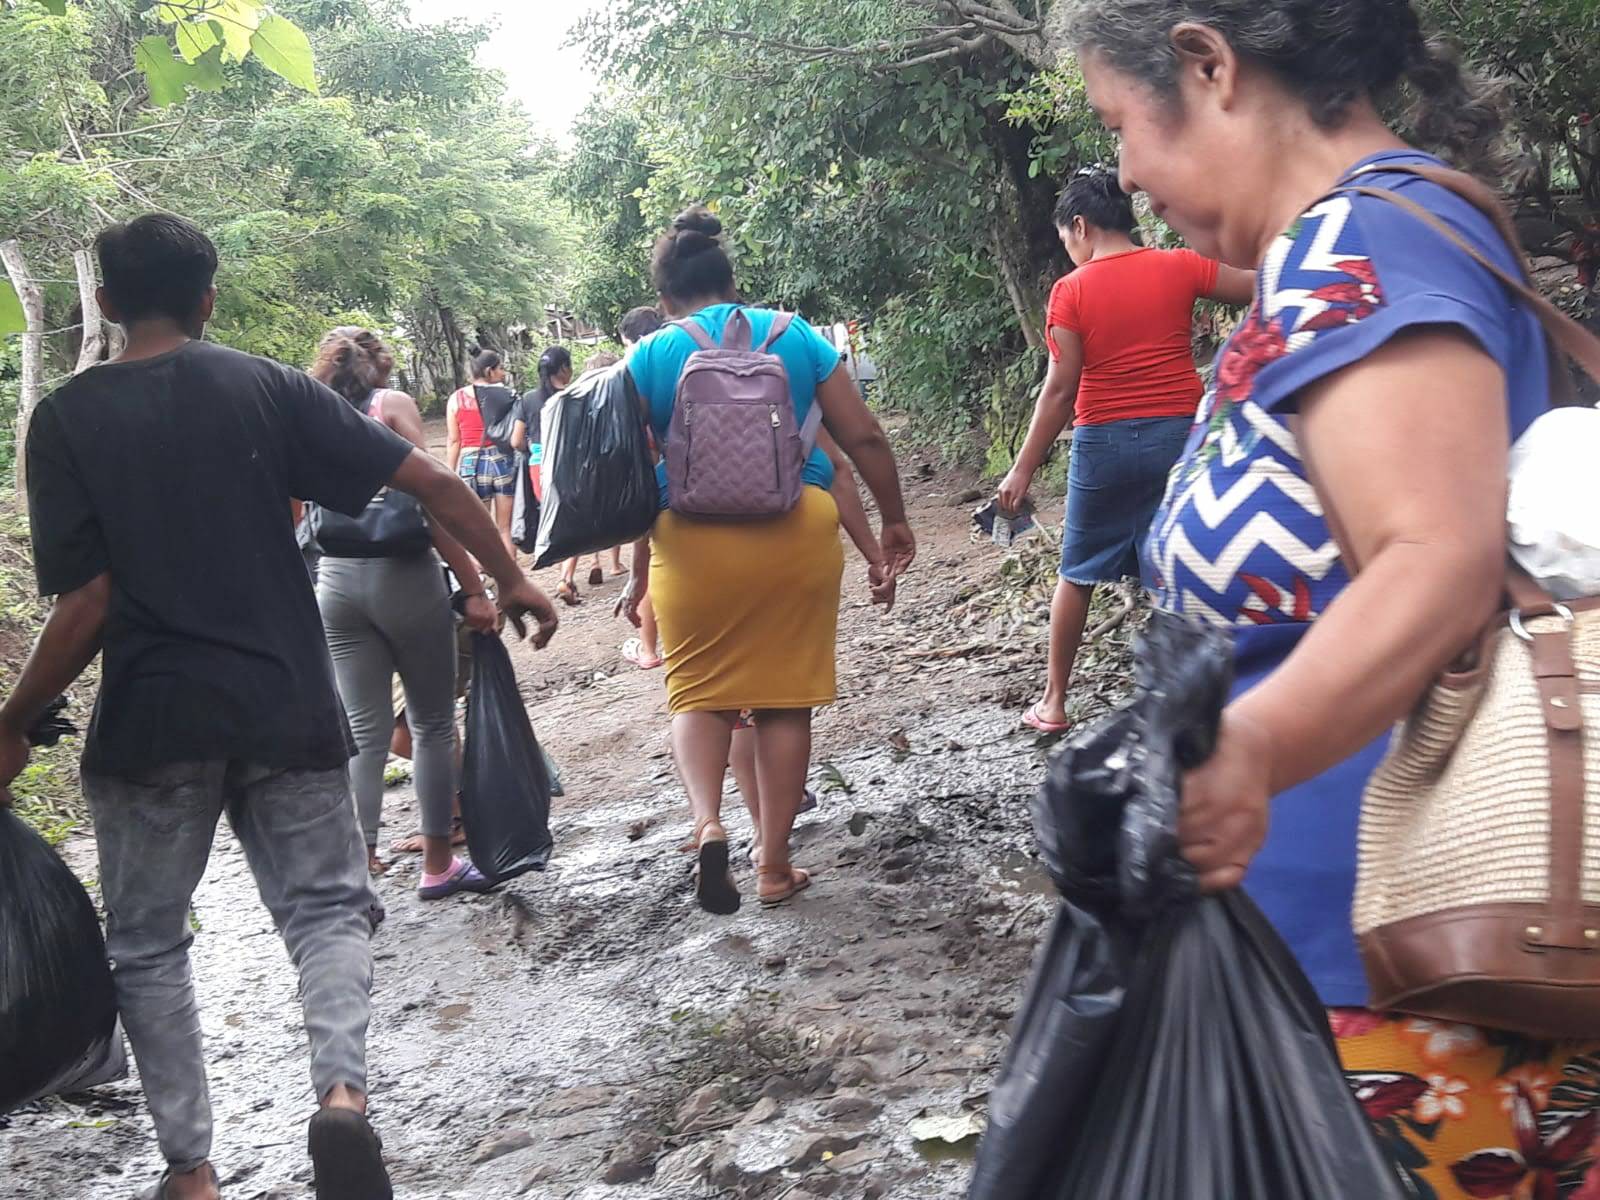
(174, 474)
(530, 407)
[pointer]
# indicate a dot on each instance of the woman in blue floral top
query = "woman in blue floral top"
(1340, 505)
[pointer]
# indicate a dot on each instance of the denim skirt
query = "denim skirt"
(1116, 478)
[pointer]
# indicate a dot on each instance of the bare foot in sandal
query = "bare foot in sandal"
(777, 884)
(714, 886)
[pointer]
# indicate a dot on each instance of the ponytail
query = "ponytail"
(1455, 110)
(551, 363)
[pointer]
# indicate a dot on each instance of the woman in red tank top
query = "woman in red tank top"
(488, 469)
(1123, 375)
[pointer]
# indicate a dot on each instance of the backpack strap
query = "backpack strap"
(780, 326)
(811, 427)
(737, 334)
(1571, 338)
(692, 327)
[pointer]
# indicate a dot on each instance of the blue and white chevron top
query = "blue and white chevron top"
(1241, 539)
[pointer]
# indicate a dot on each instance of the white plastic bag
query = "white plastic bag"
(1554, 507)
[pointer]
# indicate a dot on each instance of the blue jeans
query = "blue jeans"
(1116, 479)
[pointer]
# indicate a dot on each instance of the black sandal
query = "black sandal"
(714, 886)
(347, 1155)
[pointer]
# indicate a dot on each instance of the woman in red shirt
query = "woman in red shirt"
(1122, 374)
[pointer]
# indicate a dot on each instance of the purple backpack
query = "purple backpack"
(733, 449)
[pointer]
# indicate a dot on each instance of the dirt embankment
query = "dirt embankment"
(590, 1033)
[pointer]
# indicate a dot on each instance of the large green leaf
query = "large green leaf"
(166, 75)
(11, 318)
(284, 49)
(238, 20)
(208, 75)
(194, 38)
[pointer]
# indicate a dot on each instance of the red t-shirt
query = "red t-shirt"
(1135, 315)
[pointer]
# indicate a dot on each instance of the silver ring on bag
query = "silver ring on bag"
(1557, 610)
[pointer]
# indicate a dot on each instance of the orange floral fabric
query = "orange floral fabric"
(1476, 1114)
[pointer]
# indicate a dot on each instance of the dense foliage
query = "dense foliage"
(404, 191)
(888, 160)
(896, 160)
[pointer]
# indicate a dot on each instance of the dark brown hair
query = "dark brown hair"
(354, 362)
(1331, 53)
(689, 261)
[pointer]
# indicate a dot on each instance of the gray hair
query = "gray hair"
(1332, 53)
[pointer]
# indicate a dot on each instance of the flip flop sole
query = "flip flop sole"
(348, 1157)
(713, 886)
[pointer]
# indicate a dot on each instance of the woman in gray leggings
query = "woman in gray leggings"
(392, 614)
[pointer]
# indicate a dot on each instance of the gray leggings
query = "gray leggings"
(384, 615)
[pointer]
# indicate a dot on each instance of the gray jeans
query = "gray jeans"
(382, 616)
(300, 838)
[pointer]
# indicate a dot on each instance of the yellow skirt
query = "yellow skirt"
(749, 612)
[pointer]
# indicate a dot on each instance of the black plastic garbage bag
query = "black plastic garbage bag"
(505, 786)
(1169, 1047)
(524, 510)
(58, 1011)
(599, 479)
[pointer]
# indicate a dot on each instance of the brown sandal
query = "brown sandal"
(797, 882)
(567, 593)
(714, 886)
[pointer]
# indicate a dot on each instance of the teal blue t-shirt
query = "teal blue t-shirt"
(809, 358)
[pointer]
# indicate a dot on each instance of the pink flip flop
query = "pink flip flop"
(1034, 721)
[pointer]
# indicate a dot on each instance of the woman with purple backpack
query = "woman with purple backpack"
(748, 604)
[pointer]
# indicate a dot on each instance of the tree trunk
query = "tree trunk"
(1027, 305)
(455, 343)
(32, 298)
(93, 347)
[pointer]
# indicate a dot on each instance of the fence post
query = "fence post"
(32, 298)
(94, 330)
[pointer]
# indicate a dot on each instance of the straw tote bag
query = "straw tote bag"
(1478, 886)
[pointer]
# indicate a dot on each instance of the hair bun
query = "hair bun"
(700, 220)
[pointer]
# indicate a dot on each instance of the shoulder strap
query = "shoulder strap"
(1573, 339)
(737, 334)
(780, 326)
(811, 427)
(692, 327)
(483, 421)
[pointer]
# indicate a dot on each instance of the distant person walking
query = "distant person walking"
(389, 613)
(470, 415)
(749, 609)
(218, 697)
(1122, 374)
(555, 372)
(643, 651)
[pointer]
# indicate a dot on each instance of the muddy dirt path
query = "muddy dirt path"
(589, 1032)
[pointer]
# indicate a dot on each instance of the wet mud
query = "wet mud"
(588, 1032)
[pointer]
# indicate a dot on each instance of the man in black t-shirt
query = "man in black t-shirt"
(160, 488)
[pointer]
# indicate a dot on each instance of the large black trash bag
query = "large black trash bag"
(505, 786)
(58, 1010)
(599, 478)
(1169, 1047)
